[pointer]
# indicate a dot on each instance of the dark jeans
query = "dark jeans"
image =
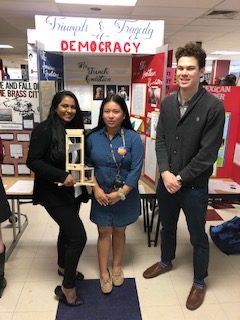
(71, 240)
(194, 203)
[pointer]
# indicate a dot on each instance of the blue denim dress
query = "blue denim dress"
(124, 212)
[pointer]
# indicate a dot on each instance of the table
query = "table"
(16, 192)
(21, 193)
(225, 189)
(219, 189)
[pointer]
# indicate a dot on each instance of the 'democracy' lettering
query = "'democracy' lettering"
(59, 24)
(93, 46)
(133, 30)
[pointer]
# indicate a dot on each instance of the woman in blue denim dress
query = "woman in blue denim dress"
(116, 152)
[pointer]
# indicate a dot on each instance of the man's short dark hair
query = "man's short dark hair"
(192, 49)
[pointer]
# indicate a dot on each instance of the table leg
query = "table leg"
(21, 226)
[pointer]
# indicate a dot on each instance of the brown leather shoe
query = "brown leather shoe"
(196, 297)
(155, 270)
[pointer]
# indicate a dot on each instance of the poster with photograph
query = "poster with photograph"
(123, 91)
(18, 101)
(154, 94)
(98, 92)
(111, 89)
(19, 114)
(87, 117)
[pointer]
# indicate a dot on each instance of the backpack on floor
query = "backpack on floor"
(226, 236)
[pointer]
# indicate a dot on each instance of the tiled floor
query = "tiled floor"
(32, 277)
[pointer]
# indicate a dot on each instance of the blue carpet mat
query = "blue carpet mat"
(121, 304)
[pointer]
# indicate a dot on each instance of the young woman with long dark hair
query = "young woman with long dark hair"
(46, 158)
(116, 153)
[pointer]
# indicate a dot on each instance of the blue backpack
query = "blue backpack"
(226, 236)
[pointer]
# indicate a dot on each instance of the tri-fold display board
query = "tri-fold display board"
(19, 113)
(148, 89)
(228, 163)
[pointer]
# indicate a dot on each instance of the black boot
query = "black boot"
(3, 281)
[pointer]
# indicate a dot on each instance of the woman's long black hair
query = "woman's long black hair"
(122, 104)
(58, 127)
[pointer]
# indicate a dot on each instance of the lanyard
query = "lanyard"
(118, 165)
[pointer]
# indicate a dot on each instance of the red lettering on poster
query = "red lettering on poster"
(83, 45)
(117, 47)
(136, 45)
(101, 46)
(93, 46)
(64, 45)
(105, 47)
(108, 46)
(127, 47)
(72, 45)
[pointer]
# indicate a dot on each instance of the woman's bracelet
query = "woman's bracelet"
(121, 194)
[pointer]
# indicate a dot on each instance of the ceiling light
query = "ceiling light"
(122, 3)
(226, 52)
(5, 46)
